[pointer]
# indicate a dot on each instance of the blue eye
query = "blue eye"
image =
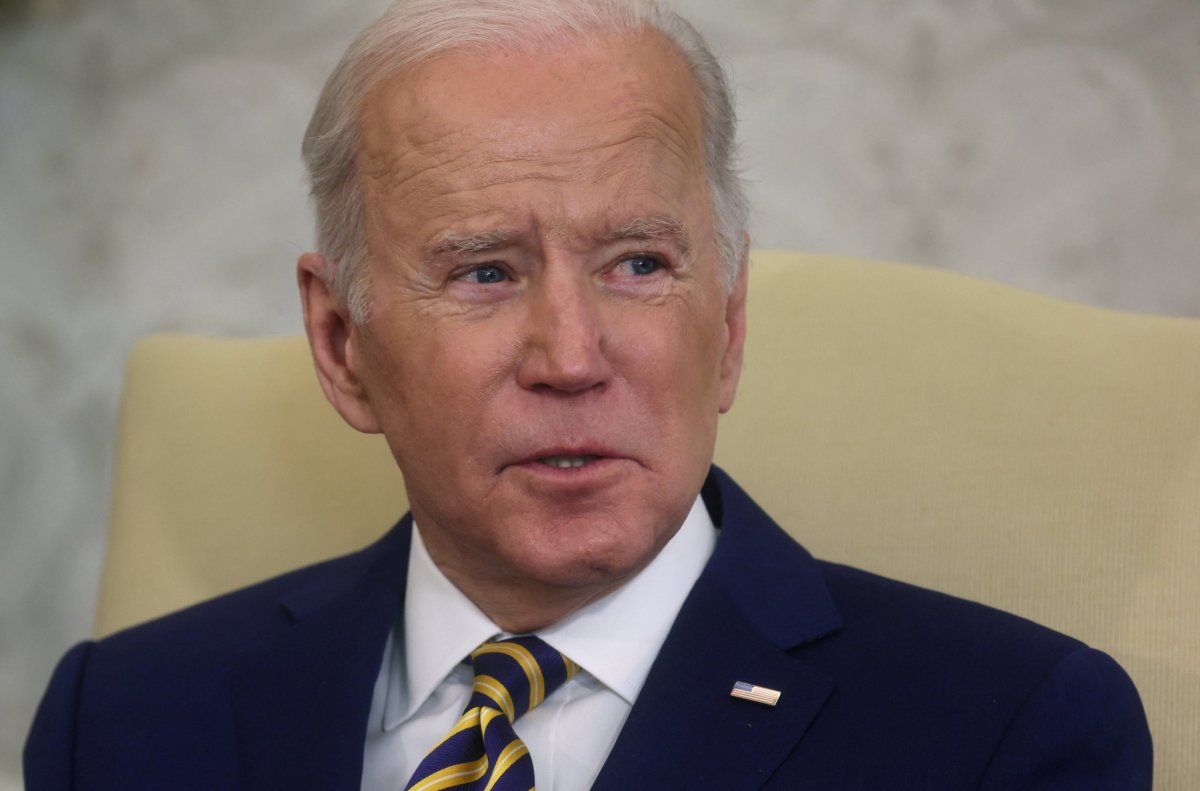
(642, 265)
(486, 274)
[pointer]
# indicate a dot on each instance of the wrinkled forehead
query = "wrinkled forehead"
(577, 100)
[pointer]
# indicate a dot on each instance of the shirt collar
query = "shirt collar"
(615, 639)
(440, 619)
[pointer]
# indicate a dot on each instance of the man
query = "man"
(531, 281)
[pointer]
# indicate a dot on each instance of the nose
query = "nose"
(565, 337)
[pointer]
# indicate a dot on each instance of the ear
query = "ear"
(735, 332)
(334, 339)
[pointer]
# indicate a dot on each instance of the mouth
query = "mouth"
(573, 471)
(565, 462)
(581, 457)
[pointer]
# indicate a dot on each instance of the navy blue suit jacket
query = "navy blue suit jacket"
(885, 686)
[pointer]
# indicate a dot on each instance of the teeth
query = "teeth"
(566, 462)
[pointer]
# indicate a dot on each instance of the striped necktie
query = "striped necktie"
(482, 752)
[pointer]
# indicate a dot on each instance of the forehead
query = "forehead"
(617, 111)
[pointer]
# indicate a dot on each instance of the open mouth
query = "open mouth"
(567, 462)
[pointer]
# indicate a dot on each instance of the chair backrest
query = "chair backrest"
(1033, 454)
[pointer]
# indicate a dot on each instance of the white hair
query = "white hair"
(411, 32)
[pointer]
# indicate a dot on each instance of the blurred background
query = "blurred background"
(150, 181)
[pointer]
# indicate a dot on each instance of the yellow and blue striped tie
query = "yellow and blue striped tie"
(482, 752)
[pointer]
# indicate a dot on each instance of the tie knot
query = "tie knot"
(516, 674)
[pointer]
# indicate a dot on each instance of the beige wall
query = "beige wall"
(151, 182)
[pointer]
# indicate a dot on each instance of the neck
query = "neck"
(520, 611)
(517, 602)
(519, 605)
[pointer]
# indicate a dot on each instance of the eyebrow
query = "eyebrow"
(461, 244)
(658, 228)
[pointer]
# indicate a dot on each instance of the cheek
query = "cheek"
(674, 363)
(696, 343)
(441, 389)
(432, 363)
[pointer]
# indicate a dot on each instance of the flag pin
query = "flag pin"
(768, 697)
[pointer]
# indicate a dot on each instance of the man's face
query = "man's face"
(549, 341)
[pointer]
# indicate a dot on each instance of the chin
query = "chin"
(601, 559)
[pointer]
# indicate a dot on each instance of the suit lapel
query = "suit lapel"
(302, 696)
(759, 596)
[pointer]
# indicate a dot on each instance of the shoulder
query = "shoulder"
(160, 695)
(186, 656)
(950, 652)
(226, 624)
(1016, 704)
(878, 608)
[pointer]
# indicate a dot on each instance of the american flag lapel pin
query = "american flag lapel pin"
(751, 692)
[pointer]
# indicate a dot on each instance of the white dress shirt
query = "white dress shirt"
(424, 682)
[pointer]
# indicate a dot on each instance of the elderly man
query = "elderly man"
(531, 281)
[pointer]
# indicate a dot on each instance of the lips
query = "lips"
(567, 462)
(566, 457)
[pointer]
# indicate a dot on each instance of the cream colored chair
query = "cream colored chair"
(1036, 455)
